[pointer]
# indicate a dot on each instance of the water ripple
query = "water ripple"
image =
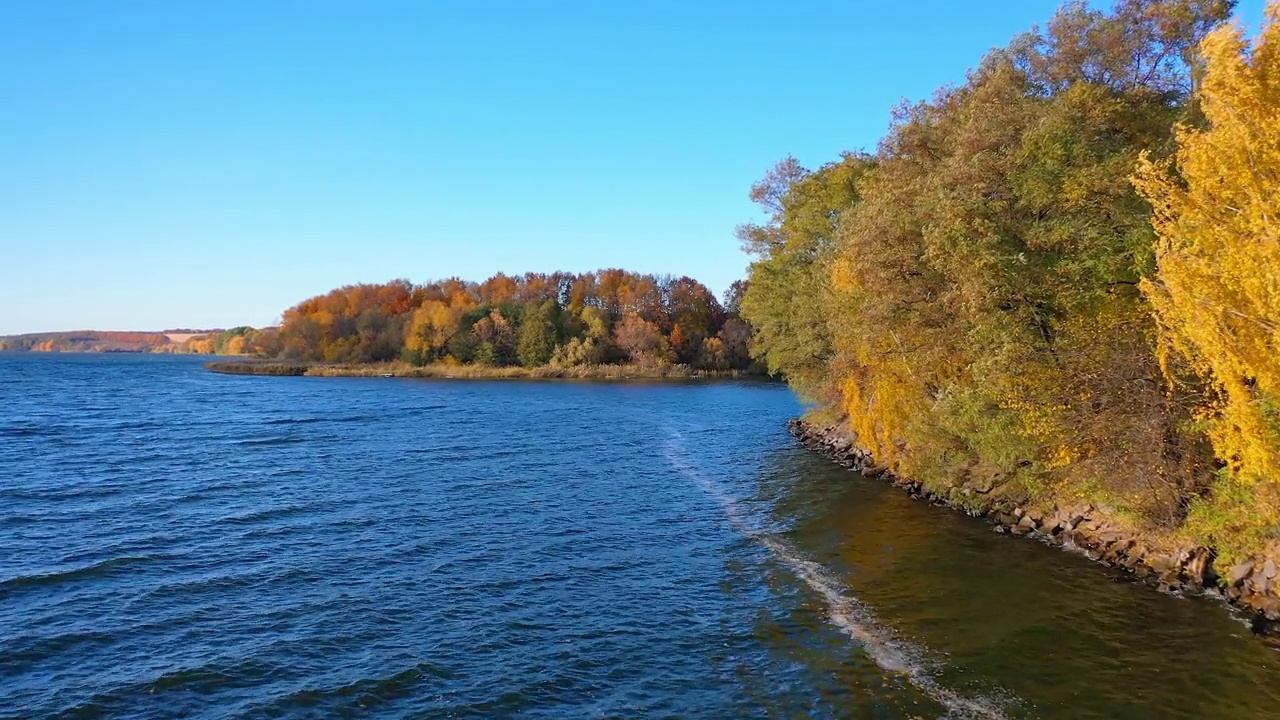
(180, 544)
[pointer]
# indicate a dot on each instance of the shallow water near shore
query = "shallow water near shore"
(177, 543)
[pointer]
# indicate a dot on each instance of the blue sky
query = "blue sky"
(209, 164)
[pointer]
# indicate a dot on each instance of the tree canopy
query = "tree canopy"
(989, 294)
(563, 319)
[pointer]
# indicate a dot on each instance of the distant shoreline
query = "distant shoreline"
(280, 368)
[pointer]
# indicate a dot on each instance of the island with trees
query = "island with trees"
(610, 323)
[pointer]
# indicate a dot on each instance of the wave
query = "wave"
(274, 512)
(363, 692)
(98, 569)
(324, 419)
(844, 610)
(20, 431)
(278, 440)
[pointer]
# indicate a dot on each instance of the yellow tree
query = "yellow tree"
(433, 325)
(1217, 290)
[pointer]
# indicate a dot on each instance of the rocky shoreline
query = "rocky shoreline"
(1253, 587)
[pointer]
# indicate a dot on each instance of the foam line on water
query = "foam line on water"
(844, 610)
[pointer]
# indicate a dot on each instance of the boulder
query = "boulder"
(1240, 572)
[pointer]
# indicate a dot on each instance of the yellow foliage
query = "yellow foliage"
(1217, 292)
(435, 322)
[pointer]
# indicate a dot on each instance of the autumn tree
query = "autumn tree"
(1216, 293)
(642, 341)
(967, 297)
(501, 321)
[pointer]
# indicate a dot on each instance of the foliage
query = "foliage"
(558, 319)
(1216, 294)
(968, 297)
(236, 341)
(539, 332)
(786, 298)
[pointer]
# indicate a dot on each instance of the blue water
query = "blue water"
(175, 543)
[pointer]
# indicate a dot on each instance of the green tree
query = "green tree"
(539, 332)
(786, 299)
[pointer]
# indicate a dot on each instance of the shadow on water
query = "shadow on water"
(996, 615)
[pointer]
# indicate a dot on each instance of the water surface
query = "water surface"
(175, 543)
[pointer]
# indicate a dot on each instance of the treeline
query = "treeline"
(989, 299)
(86, 341)
(236, 341)
(241, 340)
(559, 319)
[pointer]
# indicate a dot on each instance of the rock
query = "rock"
(1269, 606)
(1112, 535)
(1196, 569)
(1116, 551)
(1017, 511)
(1162, 563)
(1026, 523)
(1240, 572)
(1263, 626)
(1256, 583)
(1269, 569)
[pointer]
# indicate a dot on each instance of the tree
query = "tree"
(786, 300)
(733, 296)
(539, 332)
(736, 336)
(1217, 290)
(712, 355)
(642, 341)
(497, 339)
(966, 299)
(579, 352)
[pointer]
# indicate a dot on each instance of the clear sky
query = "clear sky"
(174, 164)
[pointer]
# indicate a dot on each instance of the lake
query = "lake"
(175, 543)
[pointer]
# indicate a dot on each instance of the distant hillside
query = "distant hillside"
(237, 341)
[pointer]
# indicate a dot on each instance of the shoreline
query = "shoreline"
(1251, 587)
(442, 371)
